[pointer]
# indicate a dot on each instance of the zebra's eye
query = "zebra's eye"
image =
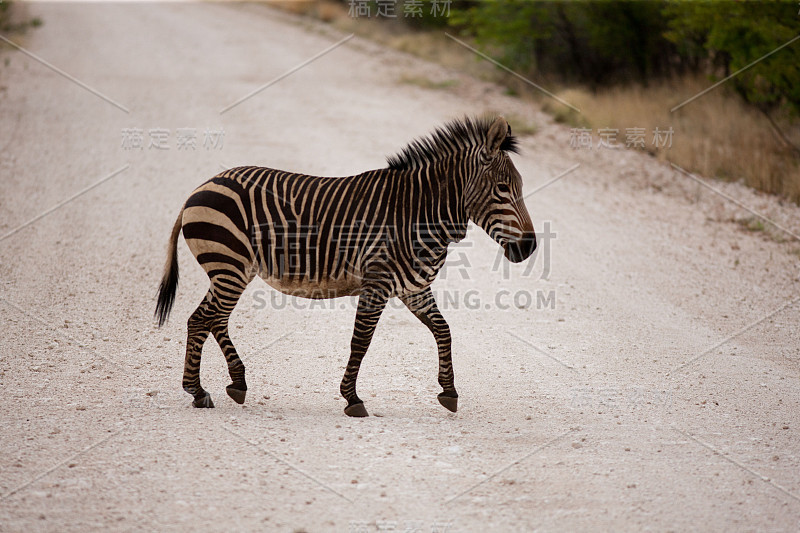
(503, 188)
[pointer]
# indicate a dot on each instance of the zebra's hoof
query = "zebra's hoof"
(357, 410)
(236, 394)
(449, 402)
(203, 401)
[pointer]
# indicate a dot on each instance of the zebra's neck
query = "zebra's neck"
(444, 184)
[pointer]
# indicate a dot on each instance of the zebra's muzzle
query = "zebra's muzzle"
(521, 249)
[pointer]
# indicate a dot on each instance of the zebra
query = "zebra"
(376, 235)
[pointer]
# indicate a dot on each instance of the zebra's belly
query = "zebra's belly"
(316, 289)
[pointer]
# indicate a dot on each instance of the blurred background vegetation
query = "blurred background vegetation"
(13, 20)
(624, 64)
(627, 64)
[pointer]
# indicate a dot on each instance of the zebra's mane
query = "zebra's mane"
(449, 139)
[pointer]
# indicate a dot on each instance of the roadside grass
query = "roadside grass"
(716, 135)
(752, 224)
(427, 83)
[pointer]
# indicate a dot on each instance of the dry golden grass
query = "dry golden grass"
(715, 135)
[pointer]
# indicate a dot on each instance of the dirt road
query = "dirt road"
(643, 373)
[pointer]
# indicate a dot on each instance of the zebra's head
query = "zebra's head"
(494, 197)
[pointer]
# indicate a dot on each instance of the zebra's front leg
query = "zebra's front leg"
(424, 307)
(370, 307)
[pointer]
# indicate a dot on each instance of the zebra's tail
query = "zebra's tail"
(169, 282)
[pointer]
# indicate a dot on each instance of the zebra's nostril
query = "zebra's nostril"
(531, 237)
(521, 249)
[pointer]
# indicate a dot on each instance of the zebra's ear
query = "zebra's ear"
(496, 135)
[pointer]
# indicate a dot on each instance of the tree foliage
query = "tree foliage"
(606, 42)
(730, 36)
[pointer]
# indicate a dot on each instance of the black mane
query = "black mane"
(453, 137)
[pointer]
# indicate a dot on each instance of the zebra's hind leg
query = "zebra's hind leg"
(226, 293)
(196, 336)
(370, 307)
(212, 316)
(424, 307)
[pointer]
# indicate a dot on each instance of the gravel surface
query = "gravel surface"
(641, 374)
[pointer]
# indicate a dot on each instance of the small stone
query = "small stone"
(577, 445)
